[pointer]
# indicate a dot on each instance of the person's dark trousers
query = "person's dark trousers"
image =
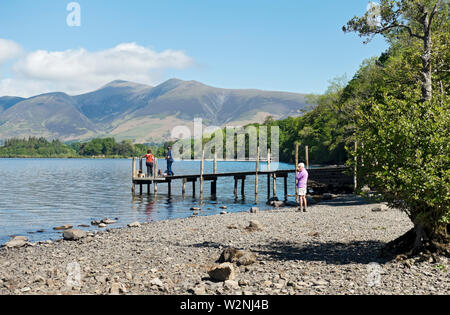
(169, 168)
(149, 169)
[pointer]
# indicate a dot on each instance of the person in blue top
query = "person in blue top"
(169, 159)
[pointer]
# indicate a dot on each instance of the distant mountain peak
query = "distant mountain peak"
(124, 84)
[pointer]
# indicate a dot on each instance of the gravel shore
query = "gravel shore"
(331, 249)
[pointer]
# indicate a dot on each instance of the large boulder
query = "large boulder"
(108, 221)
(254, 225)
(16, 241)
(63, 227)
(134, 224)
(240, 257)
(73, 235)
(222, 272)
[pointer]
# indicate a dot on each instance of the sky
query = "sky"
(283, 45)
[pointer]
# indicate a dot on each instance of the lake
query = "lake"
(39, 194)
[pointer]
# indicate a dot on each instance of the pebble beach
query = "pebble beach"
(331, 249)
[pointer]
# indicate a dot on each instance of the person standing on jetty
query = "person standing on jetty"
(169, 159)
(302, 184)
(149, 162)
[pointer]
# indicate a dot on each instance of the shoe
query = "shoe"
(304, 210)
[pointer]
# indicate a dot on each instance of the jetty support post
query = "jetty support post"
(307, 156)
(285, 188)
(214, 182)
(133, 174)
(214, 188)
(274, 178)
(256, 175)
(169, 187)
(155, 174)
(183, 188)
(243, 187)
(202, 164)
(235, 187)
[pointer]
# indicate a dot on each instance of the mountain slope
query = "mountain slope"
(140, 112)
(9, 101)
(51, 115)
(190, 99)
(110, 101)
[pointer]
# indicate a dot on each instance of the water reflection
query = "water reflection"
(39, 194)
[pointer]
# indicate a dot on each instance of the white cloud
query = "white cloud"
(9, 50)
(78, 71)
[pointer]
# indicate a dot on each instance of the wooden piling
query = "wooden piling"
(133, 174)
(215, 163)
(183, 189)
(274, 178)
(285, 189)
(268, 187)
(155, 174)
(214, 188)
(235, 187)
(202, 164)
(256, 175)
(243, 188)
(307, 156)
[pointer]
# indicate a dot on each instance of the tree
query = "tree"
(407, 158)
(403, 125)
(418, 18)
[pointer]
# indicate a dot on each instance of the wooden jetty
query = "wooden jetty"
(329, 179)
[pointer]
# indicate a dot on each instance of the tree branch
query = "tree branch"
(436, 6)
(401, 26)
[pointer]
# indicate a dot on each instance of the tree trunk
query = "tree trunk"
(427, 87)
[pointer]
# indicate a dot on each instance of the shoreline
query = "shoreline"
(327, 250)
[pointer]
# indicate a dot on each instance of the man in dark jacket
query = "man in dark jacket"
(169, 159)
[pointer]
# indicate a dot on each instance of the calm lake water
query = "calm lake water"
(39, 194)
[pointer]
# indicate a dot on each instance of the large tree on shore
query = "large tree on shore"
(418, 18)
(403, 125)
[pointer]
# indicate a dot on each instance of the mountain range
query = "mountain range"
(142, 113)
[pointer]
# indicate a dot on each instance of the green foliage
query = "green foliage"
(323, 129)
(42, 148)
(406, 155)
(35, 147)
(403, 130)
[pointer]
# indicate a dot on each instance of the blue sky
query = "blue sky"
(286, 45)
